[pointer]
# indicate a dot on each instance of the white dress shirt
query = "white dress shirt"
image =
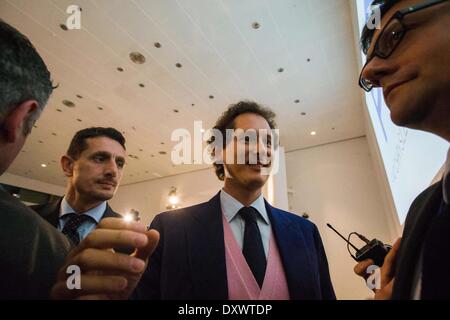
(230, 208)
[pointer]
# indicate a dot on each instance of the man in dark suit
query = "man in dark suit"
(409, 57)
(236, 245)
(31, 250)
(93, 166)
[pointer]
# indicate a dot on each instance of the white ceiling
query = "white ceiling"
(221, 55)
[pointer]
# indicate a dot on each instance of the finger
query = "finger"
(386, 292)
(145, 252)
(389, 261)
(361, 268)
(107, 261)
(121, 224)
(107, 238)
(90, 285)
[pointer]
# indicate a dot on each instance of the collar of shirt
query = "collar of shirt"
(95, 213)
(231, 206)
(446, 184)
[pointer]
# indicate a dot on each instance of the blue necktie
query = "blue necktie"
(71, 226)
(253, 248)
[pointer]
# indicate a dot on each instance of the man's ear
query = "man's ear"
(67, 165)
(13, 123)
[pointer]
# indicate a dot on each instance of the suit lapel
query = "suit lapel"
(416, 226)
(50, 212)
(206, 251)
(109, 213)
(294, 255)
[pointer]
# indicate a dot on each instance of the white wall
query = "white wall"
(336, 184)
(150, 197)
(31, 184)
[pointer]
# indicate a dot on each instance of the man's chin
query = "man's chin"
(102, 195)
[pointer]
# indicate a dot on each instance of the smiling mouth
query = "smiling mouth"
(390, 88)
(258, 165)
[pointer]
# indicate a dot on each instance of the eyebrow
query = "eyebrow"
(106, 154)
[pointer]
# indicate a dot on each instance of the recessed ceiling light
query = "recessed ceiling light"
(40, 141)
(58, 109)
(297, 101)
(178, 65)
(308, 60)
(157, 45)
(141, 85)
(120, 69)
(176, 110)
(137, 57)
(162, 142)
(162, 152)
(193, 104)
(68, 103)
(202, 130)
(256, 25)
(63, 27)
(313, 133)
(333, 128)
(303, 113)
(53, 134)
(141, 150)
(280, 70)
(211, 97)
(43, 165)
(79, 120)
(100, 108)
(79, 96)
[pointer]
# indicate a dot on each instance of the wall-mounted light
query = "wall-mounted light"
(133, 215)
(173, 199)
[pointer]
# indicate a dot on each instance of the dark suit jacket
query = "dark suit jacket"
(189, 262)
(31, 251)
(419, 217)
(50, 212)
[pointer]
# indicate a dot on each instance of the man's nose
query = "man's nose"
(376, 69)
(111, 168)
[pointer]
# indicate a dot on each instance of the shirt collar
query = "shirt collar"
(231, 206)
(95, 213)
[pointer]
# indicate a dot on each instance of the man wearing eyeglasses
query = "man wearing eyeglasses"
(409, 58)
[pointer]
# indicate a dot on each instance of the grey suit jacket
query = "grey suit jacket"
(419, 217)
(31, 251)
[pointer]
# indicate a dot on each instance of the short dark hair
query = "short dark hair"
(78, 143)
(367, 33)
(226, 121)
(23, 74)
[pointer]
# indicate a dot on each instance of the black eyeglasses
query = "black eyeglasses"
(390, 37)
